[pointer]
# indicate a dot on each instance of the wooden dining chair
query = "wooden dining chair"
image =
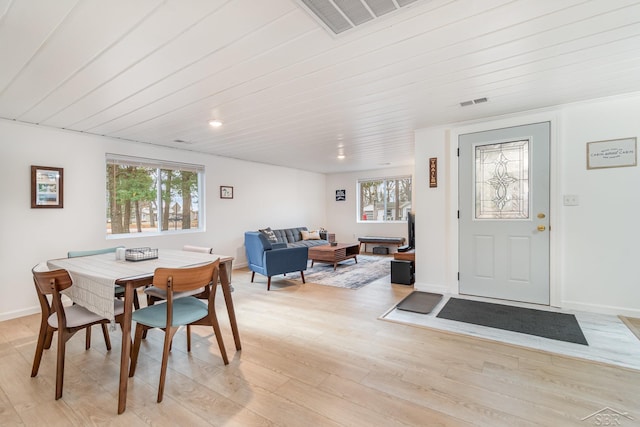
(155, 294)
(177, 312)
(64, 320)
(118, 290)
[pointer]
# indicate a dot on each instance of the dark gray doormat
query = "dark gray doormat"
(547, 324)
(419, 302)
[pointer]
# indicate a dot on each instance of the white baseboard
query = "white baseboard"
(19, 313)
(431, 287)
(602, 309)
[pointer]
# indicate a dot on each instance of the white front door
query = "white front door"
(504, 213)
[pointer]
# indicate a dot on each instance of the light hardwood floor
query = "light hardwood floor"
(633, 324)
(312, 355)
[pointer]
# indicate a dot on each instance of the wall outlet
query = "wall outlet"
(570, 200)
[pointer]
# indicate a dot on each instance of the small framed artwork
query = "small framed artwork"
(46, 187)
(614, 153)
(341, 195)
(226, 192)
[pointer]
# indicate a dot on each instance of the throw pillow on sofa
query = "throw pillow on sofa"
(310, 235)
(269, 234)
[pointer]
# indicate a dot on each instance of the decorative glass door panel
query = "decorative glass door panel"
(502, 180)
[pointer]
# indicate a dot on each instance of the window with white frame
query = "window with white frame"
(384, 199)
(153, 196)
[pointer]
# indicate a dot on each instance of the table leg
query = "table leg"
(126, 347)
(226, 291)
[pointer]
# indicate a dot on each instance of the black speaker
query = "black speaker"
(402, 272)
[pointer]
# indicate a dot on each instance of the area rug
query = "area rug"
(419, 302)
(541, 323)
(348, 274)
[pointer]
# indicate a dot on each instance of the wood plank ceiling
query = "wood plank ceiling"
(291, 93)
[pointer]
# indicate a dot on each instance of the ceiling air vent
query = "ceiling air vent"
(339, 16)
(473, 102)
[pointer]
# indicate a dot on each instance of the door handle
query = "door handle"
(541, 228)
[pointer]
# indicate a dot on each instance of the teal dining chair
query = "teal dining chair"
(155, 294)
(177, 312)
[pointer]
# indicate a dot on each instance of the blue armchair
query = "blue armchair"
(271, 259)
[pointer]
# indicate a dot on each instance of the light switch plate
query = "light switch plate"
(571, 200)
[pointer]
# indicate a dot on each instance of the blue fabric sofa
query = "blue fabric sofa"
(271, 259)
(292, 237)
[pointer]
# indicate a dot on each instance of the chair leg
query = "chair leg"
(105, 333)
(150, 301)
(269, 283)
(253, 274)
(188, 337)
(87, 344)
(60, 364)
(168, 338)
(302, 275)
(42, 338)
(49, 337)
(136, 301)
(213, 318)
(135, 349)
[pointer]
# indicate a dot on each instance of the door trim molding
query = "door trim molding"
(554, 118)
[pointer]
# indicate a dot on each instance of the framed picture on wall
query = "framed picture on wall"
(226, 192)
(341, 195)
(46, 187)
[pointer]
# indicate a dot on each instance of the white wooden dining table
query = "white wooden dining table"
(95, 276)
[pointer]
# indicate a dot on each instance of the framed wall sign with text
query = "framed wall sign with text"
(614, 153)
(46, 187)
(433, 172)
(341, 195)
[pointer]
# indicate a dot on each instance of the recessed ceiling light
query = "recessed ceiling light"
(216, 123)
(341, 156)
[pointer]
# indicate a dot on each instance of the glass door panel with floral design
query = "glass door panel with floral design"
(502, 180)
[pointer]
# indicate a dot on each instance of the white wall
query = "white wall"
(594, 246)
(342, 216)
(435, 215)
(263, 196)
(600, 237)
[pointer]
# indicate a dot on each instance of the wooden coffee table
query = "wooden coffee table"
(334, 254)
